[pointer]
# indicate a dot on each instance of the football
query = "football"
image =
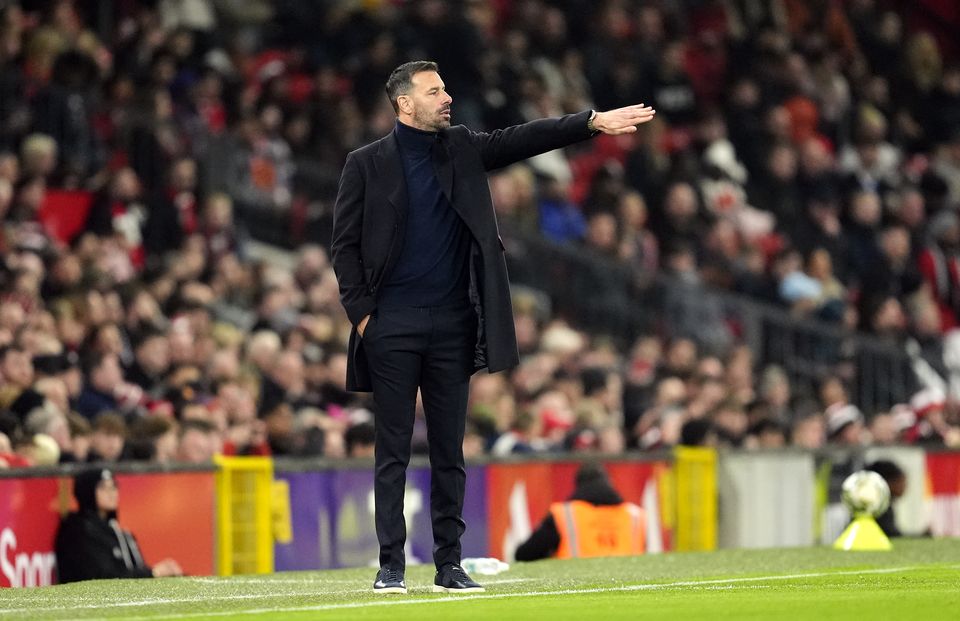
(866, 493)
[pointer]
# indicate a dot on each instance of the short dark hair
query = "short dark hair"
(196, 424)
(401, 80)
(94, 360)
(110, 423)
(889, 470)
(361, 434)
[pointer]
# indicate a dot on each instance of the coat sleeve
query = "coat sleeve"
(345, 245)
(542, 543)
(503, 147)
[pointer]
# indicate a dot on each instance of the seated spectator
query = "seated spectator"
(766, 434)
(831, 303)
(560, 219)
(522, 437)
(108, 437)
(152, 438)
(90, 543)
(698, 432)
(220, 232)
(197, 444)
(809, 432)
(939, 264)
(103, 376)
(50, 422)
(730, 424)
(595, 521)
(845, 425)
(151, 351)
(80, 433)
(360, 440)
(16, 379)
(930, 424)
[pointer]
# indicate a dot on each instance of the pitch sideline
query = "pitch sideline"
(460, 598)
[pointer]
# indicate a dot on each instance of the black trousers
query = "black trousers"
(430, 348)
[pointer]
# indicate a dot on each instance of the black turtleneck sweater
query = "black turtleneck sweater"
(432, 269)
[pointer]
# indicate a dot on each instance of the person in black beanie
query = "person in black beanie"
(90, 543)
(897, 482)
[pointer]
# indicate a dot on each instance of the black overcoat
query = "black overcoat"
(370, 218)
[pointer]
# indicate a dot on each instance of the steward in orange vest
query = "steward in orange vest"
(594, 522)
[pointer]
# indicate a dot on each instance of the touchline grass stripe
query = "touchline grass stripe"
(449, 599)
(916, 581)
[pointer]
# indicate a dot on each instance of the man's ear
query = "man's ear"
(405, 104)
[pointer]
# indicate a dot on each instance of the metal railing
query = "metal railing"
(604, 296)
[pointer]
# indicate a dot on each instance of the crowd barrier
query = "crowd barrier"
(333, 521)
(257, 515)
(171, 512)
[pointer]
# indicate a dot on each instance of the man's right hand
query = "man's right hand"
(167, 567)
(362, 326)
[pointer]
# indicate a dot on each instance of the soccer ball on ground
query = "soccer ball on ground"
(865, 493)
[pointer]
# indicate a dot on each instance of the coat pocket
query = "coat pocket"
(368, 277)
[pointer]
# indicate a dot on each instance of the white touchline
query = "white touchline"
(459, 598)
(234, 580)
(225, 580)
(153, 601)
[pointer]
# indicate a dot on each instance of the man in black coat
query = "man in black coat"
(90, 543)
(424, 282)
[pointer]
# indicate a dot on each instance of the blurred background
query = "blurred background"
(773, 261)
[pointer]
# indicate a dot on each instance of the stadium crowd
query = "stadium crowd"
(806, 153)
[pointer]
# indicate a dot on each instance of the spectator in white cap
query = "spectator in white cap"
(845, 425)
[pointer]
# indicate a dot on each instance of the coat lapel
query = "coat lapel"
(390, 170)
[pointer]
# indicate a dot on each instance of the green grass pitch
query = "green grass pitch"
(919, 579)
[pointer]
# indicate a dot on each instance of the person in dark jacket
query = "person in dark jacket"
(423, 280)
(897, 481)
(90, 543)
(592, 486)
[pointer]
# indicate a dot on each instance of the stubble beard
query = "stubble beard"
(431, 123)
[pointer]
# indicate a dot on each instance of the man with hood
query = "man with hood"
(594, 522)
(91, 544)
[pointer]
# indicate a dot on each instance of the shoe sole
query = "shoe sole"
(391, 591)
(439, 589)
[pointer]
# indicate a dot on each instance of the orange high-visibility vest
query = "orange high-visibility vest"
(588, 530)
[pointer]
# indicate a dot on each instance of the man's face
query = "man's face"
(108, 445)
(17, 368)
(154, 355)
(108, 375)
(196, 447)
(428, 101)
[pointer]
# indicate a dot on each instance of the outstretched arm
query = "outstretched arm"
(506, 146)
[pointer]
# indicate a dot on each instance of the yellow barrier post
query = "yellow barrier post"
(245, 526)
(695, 501)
